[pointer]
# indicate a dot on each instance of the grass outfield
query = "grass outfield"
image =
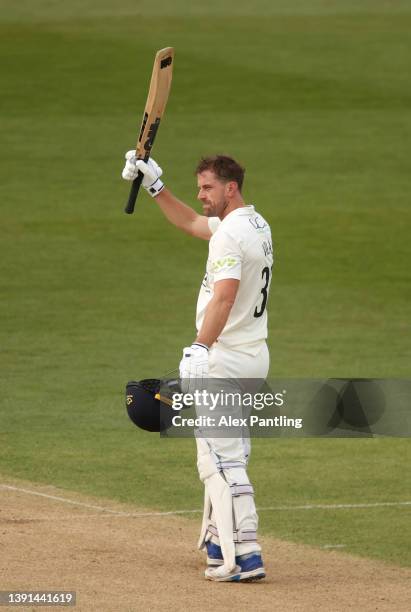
(315, 101)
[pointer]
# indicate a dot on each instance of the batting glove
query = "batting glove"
(151, 170)
(193, 367)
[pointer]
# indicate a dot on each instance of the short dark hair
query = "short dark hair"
(225, 168)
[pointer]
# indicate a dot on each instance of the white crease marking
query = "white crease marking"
(176, 512)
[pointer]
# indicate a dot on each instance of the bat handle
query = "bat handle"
(129, 209)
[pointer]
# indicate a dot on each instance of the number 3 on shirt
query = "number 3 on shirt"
(265, 275)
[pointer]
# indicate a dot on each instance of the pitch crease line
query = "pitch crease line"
(176, 512)
(336, 506)
(93, 506)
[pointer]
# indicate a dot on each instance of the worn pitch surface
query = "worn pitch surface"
(123, 562)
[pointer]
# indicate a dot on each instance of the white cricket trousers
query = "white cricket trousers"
(230, 364)
(231, 454)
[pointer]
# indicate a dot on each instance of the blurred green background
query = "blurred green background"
(314, 98)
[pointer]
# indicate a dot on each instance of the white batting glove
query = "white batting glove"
(130, 171)
(193, 367)
(151, 170)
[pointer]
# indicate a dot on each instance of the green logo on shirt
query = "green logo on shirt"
(225, 262)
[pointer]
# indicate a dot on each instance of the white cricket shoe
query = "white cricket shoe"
(220, 574)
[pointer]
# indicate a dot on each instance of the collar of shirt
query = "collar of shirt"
(238, 212)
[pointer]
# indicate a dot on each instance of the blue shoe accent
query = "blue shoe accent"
(252, 567)
(214, 554)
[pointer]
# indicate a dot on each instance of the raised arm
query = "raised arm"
(178, 213)
(183, 216)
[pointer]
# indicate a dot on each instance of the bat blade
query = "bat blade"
(155, 105)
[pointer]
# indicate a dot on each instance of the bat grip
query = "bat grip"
(129, 209)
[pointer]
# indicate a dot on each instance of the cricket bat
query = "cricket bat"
(155, 105)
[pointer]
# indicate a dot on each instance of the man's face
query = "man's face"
(212, 193)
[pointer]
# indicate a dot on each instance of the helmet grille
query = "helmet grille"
(152, 385)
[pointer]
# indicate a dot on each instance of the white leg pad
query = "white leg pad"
(218, 494)
(245, 518)
(245, 514)
(221, 501)
(206, 517)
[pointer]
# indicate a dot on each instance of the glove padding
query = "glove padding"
(193, 367)
(151, 170)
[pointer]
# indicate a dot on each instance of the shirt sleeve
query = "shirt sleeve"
(226, 257)
(213, 223)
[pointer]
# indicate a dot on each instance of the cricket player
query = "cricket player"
(230, 343)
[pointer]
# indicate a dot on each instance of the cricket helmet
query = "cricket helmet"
(144, 406)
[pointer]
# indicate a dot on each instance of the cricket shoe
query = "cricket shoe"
(251, 564)
(219, 574)
(252, 567)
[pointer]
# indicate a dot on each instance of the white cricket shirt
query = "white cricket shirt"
(240, 248)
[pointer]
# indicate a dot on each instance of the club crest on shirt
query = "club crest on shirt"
(258, 223)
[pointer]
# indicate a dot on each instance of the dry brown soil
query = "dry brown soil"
(125, 563)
